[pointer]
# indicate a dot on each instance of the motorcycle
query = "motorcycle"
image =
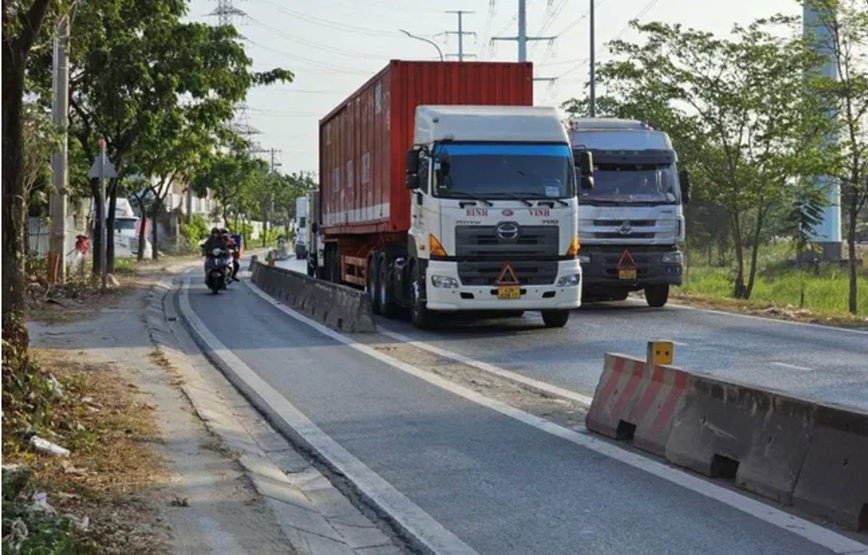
(218, 270)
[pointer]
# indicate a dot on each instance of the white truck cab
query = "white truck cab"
(301, 228)
(493, 213)
(631, 221)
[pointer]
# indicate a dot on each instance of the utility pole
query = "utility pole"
(593, 99)
(522, 37)
(59, 160)
(461, 32)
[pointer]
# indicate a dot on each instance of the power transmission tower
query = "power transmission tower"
(227, 14)
(522, 37)
(460, 33)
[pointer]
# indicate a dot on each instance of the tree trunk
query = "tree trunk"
(264, 229)
(14, 205)
(110, 226)
(14, 208)
(155, 214)
(738, 290)
(98, 220)
(140, 255)
(760, 221)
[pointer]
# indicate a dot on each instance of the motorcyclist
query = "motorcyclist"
(214, 241)
(234, 252)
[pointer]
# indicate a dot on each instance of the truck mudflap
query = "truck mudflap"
(446, 293)
(629, 268)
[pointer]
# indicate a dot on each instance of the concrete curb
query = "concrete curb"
(339, 307)
(794, 451)
(316, 517)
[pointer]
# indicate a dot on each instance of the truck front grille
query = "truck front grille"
(482, 242)
(481, 273)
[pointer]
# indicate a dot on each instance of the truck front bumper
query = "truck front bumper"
(601, 267)
(459, 297)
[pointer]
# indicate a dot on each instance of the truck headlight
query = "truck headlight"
(569, 281)
(584, 259)
(672, 258)
(444, 282)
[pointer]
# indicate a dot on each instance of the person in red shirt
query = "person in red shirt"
(235, 249)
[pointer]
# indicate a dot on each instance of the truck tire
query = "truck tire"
(420, 315)
(372, 287)
(555, 318)
(387, 304)
(657, 295)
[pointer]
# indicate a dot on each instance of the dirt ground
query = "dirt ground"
(150, 477)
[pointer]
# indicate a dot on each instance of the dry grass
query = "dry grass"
(111, 475)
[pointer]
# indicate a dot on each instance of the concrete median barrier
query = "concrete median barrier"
(636, 401)
(833, 481)
(792, 450)
(758, 438)
(337, 306)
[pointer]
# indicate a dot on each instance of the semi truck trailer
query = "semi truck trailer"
(632, 221)
(443, 190)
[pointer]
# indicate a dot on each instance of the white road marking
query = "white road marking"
(792, 366)
(680, 344)
(814, 533)
(411, 517)
(531, 383)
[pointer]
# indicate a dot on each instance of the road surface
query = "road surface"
(816, 362)
(483, 476)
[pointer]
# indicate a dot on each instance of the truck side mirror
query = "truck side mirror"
(411, 162)
(412, 181)
(587, 182)
(586, 163)
(684, 178)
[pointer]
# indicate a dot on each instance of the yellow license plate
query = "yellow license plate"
(627, 274)
(509, 292)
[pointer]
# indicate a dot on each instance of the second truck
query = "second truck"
(443, 190)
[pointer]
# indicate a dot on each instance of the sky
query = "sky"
(334, 46)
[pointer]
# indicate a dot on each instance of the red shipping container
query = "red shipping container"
(363, 141)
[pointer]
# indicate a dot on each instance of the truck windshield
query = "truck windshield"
(508, 170)
(633, 183)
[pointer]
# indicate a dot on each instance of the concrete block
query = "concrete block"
(756, 437)
(833, 482)
(636, 401)
(337, 306)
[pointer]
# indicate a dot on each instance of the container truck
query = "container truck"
(632, 221)
(443, 190)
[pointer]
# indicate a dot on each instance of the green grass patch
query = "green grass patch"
(778, 283)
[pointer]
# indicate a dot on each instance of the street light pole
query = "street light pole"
(593, 99)
(431, 42)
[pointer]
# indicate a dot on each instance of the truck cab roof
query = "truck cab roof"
(489, 123)
(616, 134)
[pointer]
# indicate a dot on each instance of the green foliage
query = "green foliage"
(28, 530)
(27, 394)
(196, 231)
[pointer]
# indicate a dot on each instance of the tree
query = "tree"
(842, 33)
(231, 176)
(135, 64)
(22, 23)
(741, 110)
(801, 220)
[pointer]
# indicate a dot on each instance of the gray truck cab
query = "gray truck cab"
(631, 221)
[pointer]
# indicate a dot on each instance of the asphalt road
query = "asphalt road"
(816, 362)
(503, 487)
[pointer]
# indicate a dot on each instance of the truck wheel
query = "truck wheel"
(420, 315)
(555, 318)
(387, 306)
(657, 295)
(372, 274)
